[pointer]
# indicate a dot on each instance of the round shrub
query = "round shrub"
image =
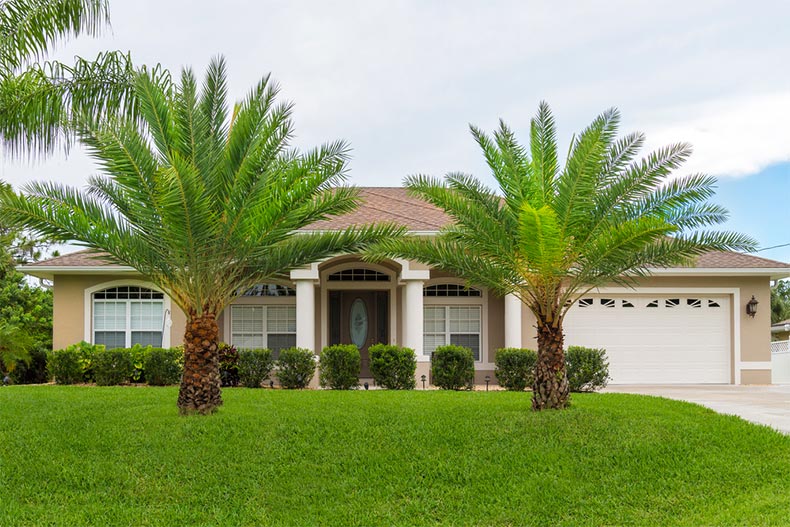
(515, 368)
(453, 368)
(393, 367)
(113, 367)
(163, 366)
(228, 365)
(587, 368)
(295, 368)
(65, 365)
(339, 367)
(254, 366)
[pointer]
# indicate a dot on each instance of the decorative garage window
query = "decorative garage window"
(626, 303)
(713, 303)
(694, 303)
(274, 290)
(257, 327)
(455, 290)
(608, 302)
(672, 302)
(128, 315)
(586, 302)
(459, 325)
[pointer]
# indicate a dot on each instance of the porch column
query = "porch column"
(412, 317)
(512, 321)
(305, 314)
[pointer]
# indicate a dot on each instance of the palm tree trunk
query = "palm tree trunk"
(200, 384)
(550, 390)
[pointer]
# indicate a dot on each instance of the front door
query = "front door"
(360, 318)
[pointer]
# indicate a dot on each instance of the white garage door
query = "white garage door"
(656, 339)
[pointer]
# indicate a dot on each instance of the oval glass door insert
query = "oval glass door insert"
(358, 323)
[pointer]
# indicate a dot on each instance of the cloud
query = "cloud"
(735, 136)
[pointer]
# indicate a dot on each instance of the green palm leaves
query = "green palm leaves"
(40, 101)
(553, 232)
(201, 202)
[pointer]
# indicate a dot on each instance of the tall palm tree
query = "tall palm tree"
(40, 100)
(552, 233)
(202, 202)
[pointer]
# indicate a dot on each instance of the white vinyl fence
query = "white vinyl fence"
(780, 361)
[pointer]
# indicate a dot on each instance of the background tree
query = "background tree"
(555, 232)
(780, 301)
(202, 204)
(40, 100)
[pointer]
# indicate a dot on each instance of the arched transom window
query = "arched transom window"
(127, 315)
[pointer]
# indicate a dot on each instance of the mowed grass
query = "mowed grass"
(122, 456)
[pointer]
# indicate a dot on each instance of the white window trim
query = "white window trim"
(482, 301)
(265, 306)
(88, 335)
(448, 333)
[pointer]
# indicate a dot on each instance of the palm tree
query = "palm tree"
(40, 100)
(554, 233)
(202, 202)
(15, 345)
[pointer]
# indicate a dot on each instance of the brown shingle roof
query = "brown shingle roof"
(388, 204)
(393, 204)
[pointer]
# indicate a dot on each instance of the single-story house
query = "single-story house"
(680, 325)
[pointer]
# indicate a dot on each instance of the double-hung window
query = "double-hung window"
(263, 326)
(128, 315)
(458, 323)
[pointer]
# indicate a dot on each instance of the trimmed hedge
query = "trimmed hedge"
(515, 368)
(393, 367)
(113, 367)
(295, 368)
(163, 366)
(73, 364)
(254, 366)
(339, 367)
(587, 368)
(453, 368)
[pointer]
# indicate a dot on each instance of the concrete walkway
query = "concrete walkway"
(767, 405)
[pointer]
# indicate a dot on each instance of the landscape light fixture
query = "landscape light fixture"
(271, 384)
(422, 378)
(366, 385)
(751, 307)
(488, 379)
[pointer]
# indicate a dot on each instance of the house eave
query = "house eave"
(48, 273)
(774, 273)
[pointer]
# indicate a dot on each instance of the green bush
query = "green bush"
(515, 368)
(254, 366)
(228, 365)
(113, 367)
(295, 367)
(587, 368)
(162, 366)
(138, 353)
(393, 367)
(453, 368)
(34, 371)
(339, 367)
(73, 364)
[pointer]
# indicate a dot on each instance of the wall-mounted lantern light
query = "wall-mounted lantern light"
(751, 307)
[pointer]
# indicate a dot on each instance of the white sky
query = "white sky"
(402, 80)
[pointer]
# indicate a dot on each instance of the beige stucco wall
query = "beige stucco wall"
(69, 309)
(68, 316)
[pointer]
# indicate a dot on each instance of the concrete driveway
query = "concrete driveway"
(767, 405)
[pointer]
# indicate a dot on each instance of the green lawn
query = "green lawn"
(122, 456)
